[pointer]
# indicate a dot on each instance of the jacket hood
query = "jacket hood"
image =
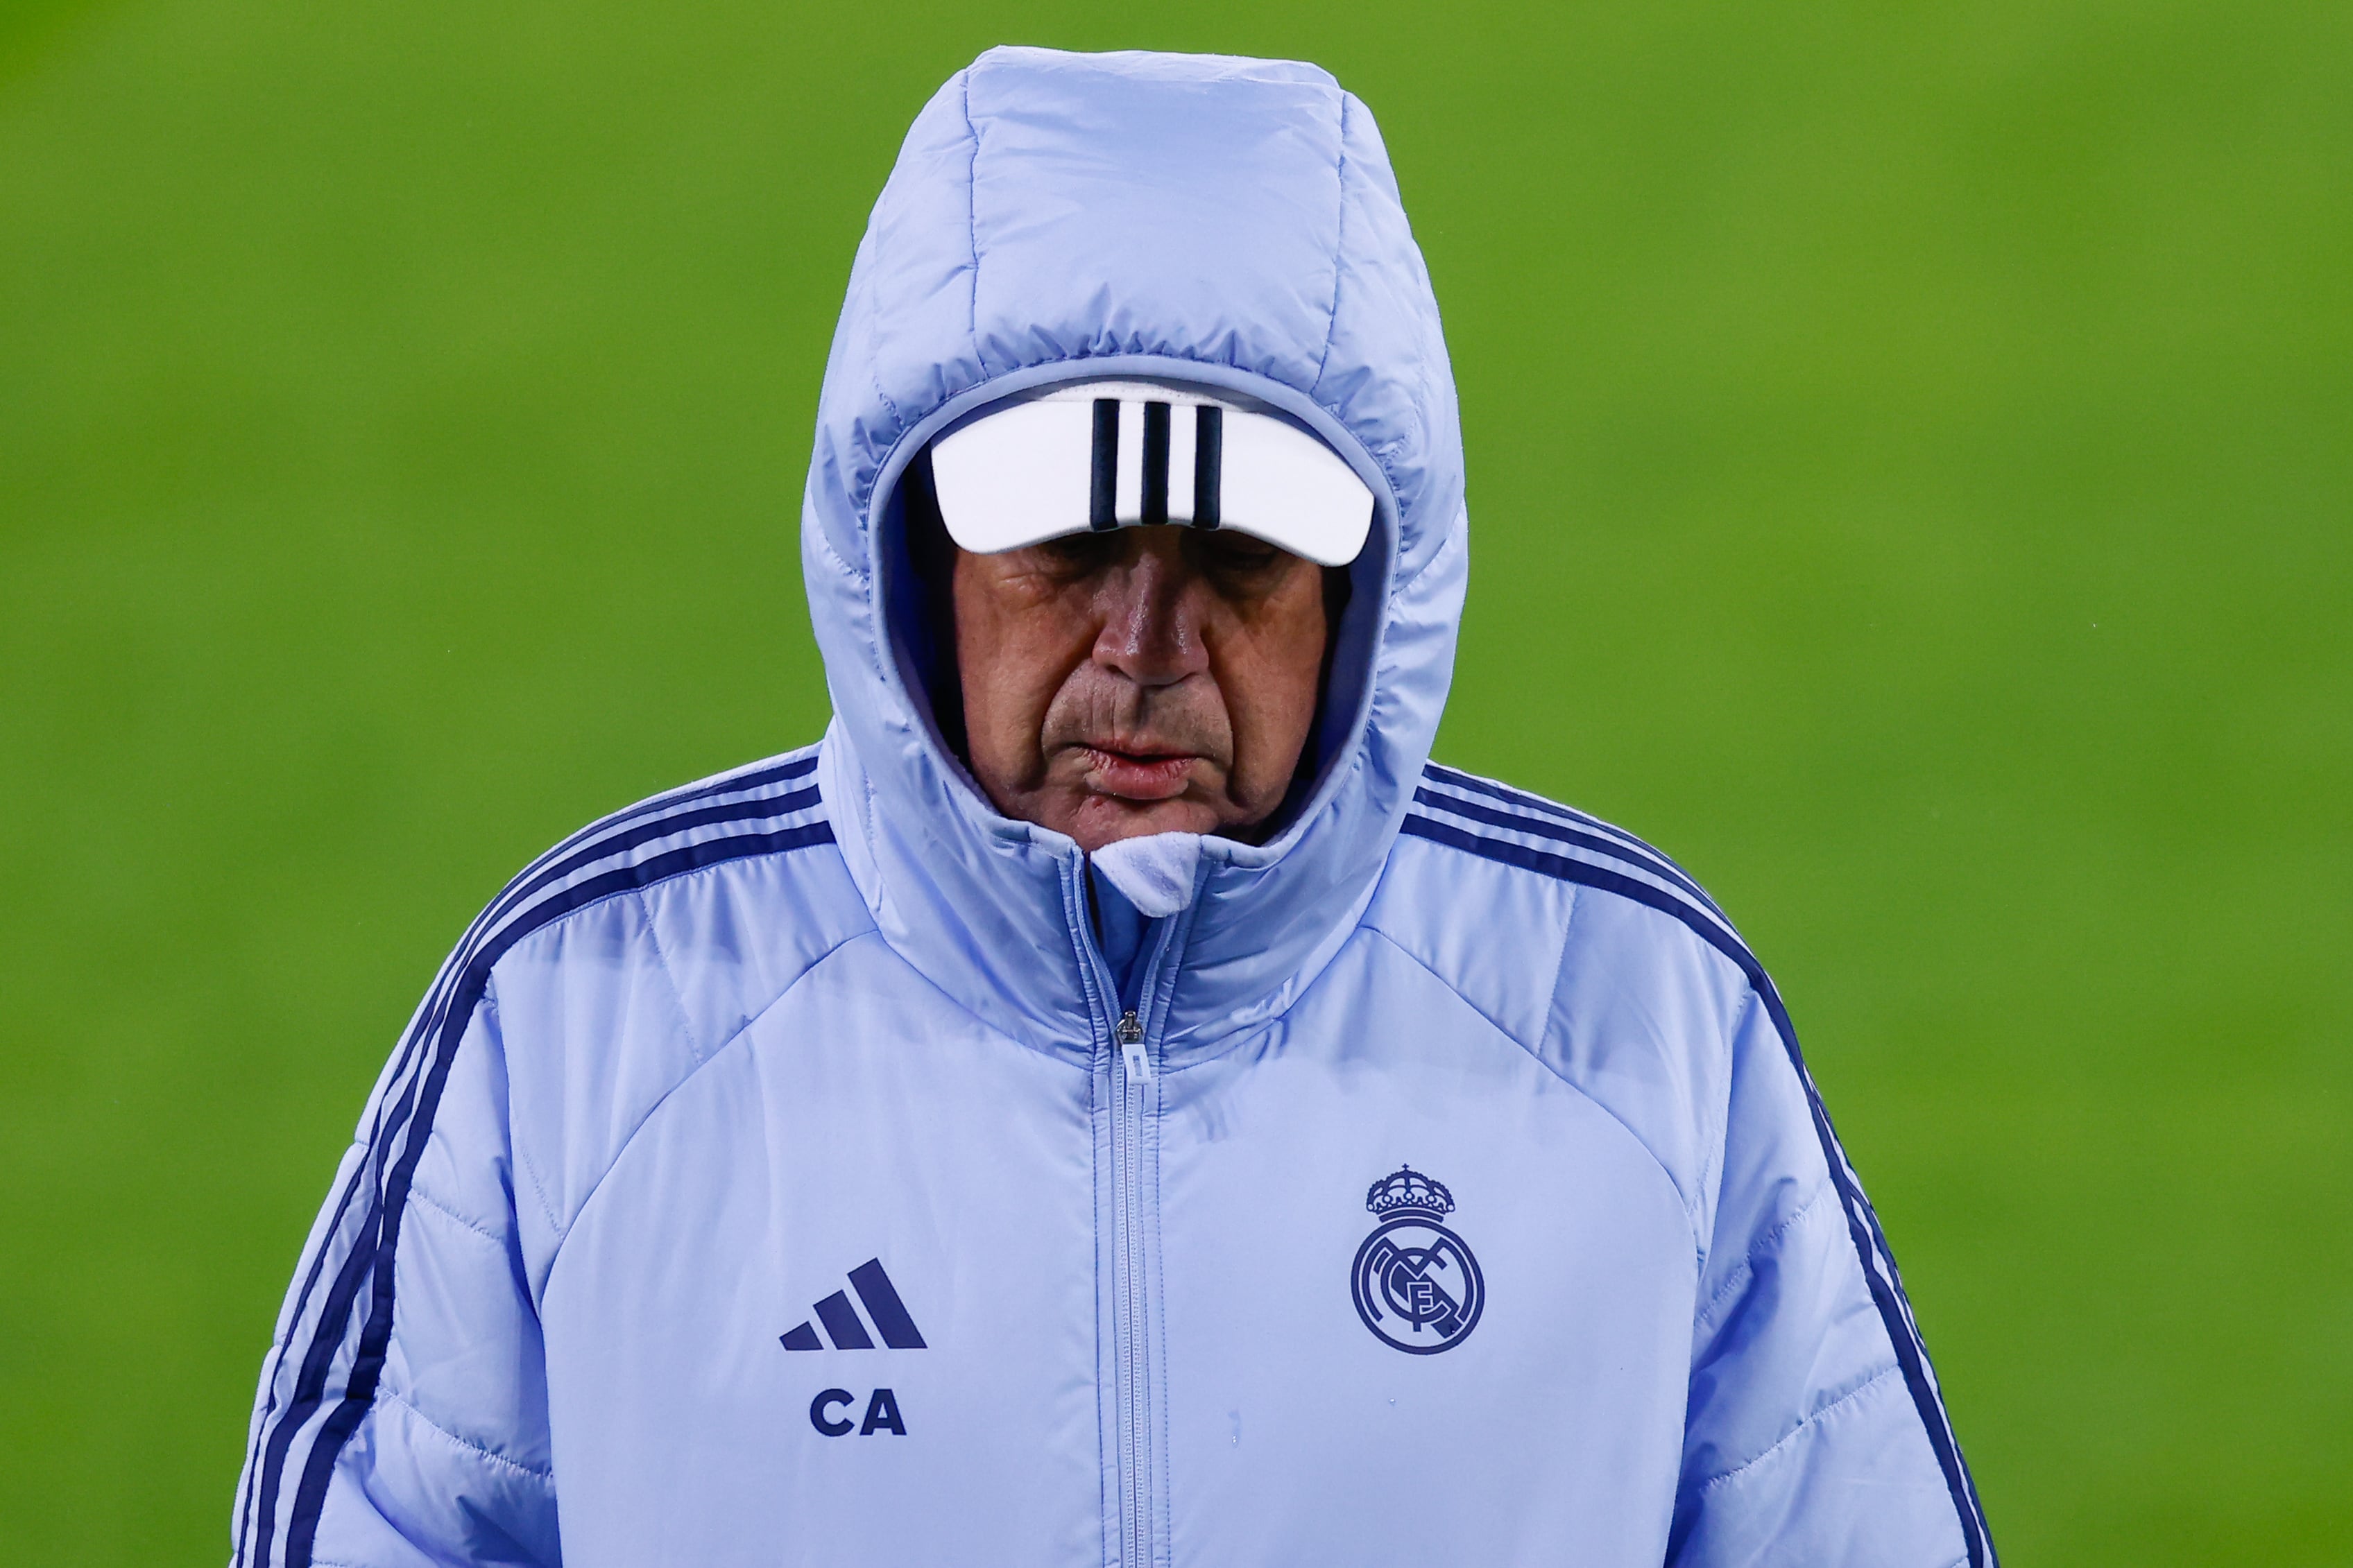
(1224, 222)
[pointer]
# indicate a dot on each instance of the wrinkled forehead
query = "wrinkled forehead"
(1103, 455)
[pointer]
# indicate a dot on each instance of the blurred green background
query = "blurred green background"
(1912, 455)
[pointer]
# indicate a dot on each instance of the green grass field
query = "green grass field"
(1911, 471)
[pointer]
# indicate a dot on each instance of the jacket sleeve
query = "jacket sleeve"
(402, 1416)
(1814, 1435)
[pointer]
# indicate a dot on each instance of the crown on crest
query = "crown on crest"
(1408, 1191)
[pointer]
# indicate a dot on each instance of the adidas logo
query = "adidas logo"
(844, 1327)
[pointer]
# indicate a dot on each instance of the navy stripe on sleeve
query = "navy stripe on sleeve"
(375, 1336)
(271, 1440)
(1455, 778)
(1615, 847)
(411, 1093)
(1878, 1262)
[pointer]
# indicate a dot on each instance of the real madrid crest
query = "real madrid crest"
(1417, 1286)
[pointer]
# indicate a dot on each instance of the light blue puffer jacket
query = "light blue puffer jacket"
(774, 1175)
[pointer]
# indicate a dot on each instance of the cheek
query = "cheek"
(1014, 651)
(1270, 676)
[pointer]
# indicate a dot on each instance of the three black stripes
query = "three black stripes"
(1208, 451)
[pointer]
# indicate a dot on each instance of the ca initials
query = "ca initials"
(881, 1413)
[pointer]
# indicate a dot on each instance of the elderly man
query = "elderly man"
(1114, 1100)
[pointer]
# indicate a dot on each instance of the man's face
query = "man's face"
(1139, 680)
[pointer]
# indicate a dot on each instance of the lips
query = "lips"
(1139, 775)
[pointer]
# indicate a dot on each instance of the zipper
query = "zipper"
(1132, 1074)
(1132, 1070)
(1131, 1046)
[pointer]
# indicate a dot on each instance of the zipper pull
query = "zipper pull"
(1131, 1046)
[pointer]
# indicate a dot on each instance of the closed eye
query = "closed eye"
(1078, 554)
(1229, 552)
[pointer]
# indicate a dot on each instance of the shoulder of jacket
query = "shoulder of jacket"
(720, 893)
(731, 838)
(627, 956)
(708, 888)
(1602, 956)
(1540, 879)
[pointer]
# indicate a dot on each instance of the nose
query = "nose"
(1151, 629)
